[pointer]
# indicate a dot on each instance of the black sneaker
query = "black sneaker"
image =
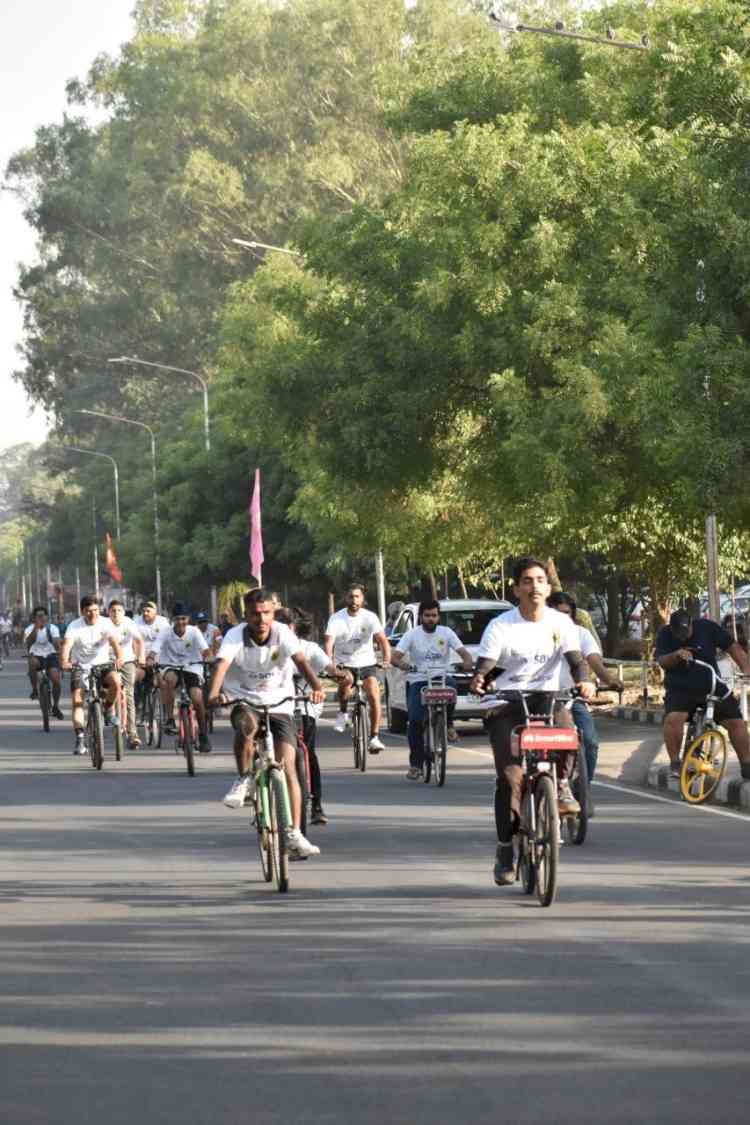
(675, 769)
(34, 695)
(504, 871)
(745, 771)
(204, 745)
(57, 713)
(170, 727)
(318, 816)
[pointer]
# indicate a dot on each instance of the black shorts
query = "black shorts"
(192, 679)
(77, 674)
(362, 673)
(688, 701)
(282, 726)
(45, 662)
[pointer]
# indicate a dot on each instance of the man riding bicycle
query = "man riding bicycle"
(529, 645)
(90, 642)
(181, 648)
(678, 645)
(133, 659)
(427, 650)
(352, 634)
(256, 664)
(42, 642)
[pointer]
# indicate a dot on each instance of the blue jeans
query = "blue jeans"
(584, 720)
(416, 713)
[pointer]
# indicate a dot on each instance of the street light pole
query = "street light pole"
(96, 453)
(143, 426)
(206, 419)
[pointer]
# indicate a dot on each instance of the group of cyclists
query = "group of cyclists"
(537, 648)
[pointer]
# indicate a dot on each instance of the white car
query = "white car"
(468, 617)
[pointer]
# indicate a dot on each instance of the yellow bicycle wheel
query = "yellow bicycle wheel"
(703, 766)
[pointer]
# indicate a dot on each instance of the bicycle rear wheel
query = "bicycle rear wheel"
(427, 749)
(96, 734)
(45, 702)
(277, 830)
(185, 737)
(703, 766)
(440, 746)
(526, 868)
(575, 827)
(547, 840)
(364, 734)
(261, 828)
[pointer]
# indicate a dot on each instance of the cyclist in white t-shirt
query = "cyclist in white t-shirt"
(256, 664)
(429, 649)
(42, 642)
(181, 647)
(133, 659)
(350, 639)
(308, 713)
(91, 642)
(591, 652)
(530, 646)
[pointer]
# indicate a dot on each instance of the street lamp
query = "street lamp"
(265, 246)
(96, 453)
(206, 423)
(143, 426)
(180, 371)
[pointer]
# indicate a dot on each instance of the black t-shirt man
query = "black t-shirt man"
(686, 683)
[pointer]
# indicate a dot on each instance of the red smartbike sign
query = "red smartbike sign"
(540, 737)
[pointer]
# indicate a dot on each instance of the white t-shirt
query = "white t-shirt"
(211, 633)
(261, 674)
(352, 637)
(5, 626)
(429, 652)
(186, 651)
(318, 661)
(530, 653)
(43, 646)
(151, 632)
(586, 645)
(90, 645)
(125, 633)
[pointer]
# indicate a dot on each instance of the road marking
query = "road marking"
(671, 800)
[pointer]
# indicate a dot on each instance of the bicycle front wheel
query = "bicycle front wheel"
(703, 766)
(439, 747)
(185, 735)
(277, 805)
(426, 749)
(546, 840)
(45, 702)
(96, 734)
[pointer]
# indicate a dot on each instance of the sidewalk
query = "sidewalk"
(632, 750)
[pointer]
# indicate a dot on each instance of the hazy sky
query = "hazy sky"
(44, 43)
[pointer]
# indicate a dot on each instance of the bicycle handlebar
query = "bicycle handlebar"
(714, 679)
(260, 706)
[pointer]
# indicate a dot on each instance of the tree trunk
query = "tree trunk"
(554, 577)
(612, 643)
(461, 583)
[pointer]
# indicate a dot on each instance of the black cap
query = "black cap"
(680, 623)
(201, 616)
(180, 609)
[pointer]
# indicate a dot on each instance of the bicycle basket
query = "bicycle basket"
(438, 695)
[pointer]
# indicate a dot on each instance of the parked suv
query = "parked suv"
(468, 617)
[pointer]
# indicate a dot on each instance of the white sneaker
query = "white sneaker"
(341, 720)
(376, 745)
(298, 845)
(242, 789)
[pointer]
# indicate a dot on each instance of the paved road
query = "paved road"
(148, 975)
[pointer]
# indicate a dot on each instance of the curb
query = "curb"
(637, 715)
(730, 791)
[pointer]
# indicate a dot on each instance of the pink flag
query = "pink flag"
(256, 535)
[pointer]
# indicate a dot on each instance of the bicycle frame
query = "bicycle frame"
(704, 716)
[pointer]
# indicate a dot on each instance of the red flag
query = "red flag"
(110, 561)
(256, 534)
